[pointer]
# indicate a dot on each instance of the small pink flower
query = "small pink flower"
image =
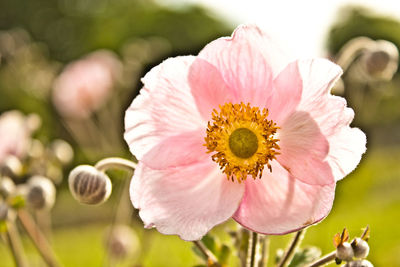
(200, 120)
(15, 134)
(85, 85)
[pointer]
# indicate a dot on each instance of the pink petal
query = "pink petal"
(346, 145)
(187, 201)
(303, 149)
(242, 64)
(208, 87)
(278, 203)
(165, 107)
(287, 93)
(178, 150)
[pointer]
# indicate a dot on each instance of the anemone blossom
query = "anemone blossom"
(240, 132)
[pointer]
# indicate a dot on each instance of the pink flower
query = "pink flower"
(200, 120)
(85, 85)
(15, 134)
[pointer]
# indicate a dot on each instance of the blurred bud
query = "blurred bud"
(36, 149)
(381, 61)
(122, 242)
(12, 166)
(33, 122)
(41, 193)
(361, 263)
(6, 213)
(344, 252)
(360, 248)
(7, 186)
(62, 151)
(89, 185)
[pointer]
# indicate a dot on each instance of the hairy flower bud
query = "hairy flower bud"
(360, 248)
(345, 252)
(359, 263)
(7, 186)
(41, 193)
(89, 185)
(121, 241)
(12, 166)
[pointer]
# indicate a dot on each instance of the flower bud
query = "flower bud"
(121, 241)
(360, 248)
(62, 151)
(12, 166)
(41, 193)
(381, 62)
(359, 263)
(7, 186)
(89, 185)
(344, 252)
(6, 213)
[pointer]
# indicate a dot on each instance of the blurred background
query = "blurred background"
(69, 69)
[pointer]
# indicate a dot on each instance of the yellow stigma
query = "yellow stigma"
(242, 140)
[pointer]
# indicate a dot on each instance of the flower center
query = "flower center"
(242, 141)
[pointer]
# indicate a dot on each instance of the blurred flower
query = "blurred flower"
(272, 114)
(89, 185)
(7, 186)
(15, 132)
(41, 193)
(85, 85)
(122, 241)
(62, 151)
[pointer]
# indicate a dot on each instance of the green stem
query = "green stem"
(287, 257)
(211, 259)
(252, 250)
(324, 260)
(14, 242)
(264, 243)
(116, 163)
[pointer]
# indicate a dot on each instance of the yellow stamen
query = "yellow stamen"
(242, 140)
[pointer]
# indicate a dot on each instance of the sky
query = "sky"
(299, 25)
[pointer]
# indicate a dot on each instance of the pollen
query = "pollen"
(242, 140)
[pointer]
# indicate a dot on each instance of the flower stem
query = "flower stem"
(114, 162)
(211, 259)
(264, 243)
(14, 242)
(38, 239)
(252, 250)
(287, 257)
(324, 260)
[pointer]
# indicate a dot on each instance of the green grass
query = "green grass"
(369, 196)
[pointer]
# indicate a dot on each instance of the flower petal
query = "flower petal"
(278, 203)
(346, 145)
(303, 149)
(187, 201)
(165, 107)
(179, 150)
(288, 87)
(243, 65)
(208, 87)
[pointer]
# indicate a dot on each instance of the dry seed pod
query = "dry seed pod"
(89, 185)
(41, 193)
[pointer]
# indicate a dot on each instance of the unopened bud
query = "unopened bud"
(344, 252)
(7, 186)
(381, 62)
(6, 213)
(122, 241)
(41, 193)
(62, 151)
(360, 263)
(12, 166)
(89, 185)
(360, 248)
